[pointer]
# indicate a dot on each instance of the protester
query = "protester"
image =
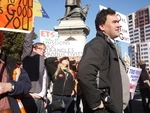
(11, 90)
(63, 81)
(33, 62)
(101, 75)
(144, 86)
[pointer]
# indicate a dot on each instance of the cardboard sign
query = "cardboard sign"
(133, 74)
(16, 15)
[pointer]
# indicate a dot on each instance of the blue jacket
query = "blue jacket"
(21, 87)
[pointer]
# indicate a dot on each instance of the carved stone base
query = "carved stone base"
(72, 30)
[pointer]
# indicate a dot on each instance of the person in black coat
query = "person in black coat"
(144, 86)
(63, 81)
(101, 72)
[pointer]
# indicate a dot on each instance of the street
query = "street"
(137, 104)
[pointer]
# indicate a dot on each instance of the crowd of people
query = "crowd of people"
(99, 79)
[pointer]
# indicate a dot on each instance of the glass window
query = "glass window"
(147, 27)
(130, 17)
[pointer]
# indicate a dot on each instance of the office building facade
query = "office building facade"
(139, 31)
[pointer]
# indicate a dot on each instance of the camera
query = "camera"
(105, 96)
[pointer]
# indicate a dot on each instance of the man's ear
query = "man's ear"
(34, 49)
(101, 27)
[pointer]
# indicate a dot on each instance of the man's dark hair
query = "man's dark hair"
(102, 16)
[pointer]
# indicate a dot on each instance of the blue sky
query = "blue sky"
(56, 10)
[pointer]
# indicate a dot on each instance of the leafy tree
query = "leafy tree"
(13, 43)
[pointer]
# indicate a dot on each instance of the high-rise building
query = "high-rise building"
(139, 31)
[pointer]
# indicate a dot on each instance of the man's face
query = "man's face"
(40, 50)
(111, 26)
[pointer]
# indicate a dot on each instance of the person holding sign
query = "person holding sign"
(101, 74)
(144, 86)
(12, 90)
(33, 62)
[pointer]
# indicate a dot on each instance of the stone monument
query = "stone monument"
(72, 26)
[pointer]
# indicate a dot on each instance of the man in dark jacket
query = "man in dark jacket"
(10, 90)
(144, 86)
(108, 91)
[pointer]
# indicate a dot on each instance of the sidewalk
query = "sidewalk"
(137, 103)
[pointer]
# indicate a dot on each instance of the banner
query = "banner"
(56, 47)
(16, 15)
(124, 33)
(133, 74)
(38, 9)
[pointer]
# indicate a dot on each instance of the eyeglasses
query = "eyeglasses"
(41, 48)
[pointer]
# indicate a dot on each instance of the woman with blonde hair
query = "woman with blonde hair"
(63, 82)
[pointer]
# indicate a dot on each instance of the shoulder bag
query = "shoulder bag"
(58, 103)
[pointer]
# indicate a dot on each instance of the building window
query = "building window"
(136, 34)
(141, 28)
(147, 27)
(130, 22)
(137, 41)
(130, 17)
(131, 32)
(146, 11)
(145, 49)
(145, 56)
(131, 35)
(148, 38)
(143, 45)
(147, 30)
(145, 52)
(130, 25)
(146, 61)
(148, 34)
(141, 18)
(135, 30)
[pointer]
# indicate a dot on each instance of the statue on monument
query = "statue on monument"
(74, 10)
(71, 4)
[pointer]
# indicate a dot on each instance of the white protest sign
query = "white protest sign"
(63, 48)
(56, 47)
(124, 33)
(133, 74)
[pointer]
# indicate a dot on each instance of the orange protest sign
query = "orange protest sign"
(16, 15)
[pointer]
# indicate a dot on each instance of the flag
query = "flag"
(38, 9)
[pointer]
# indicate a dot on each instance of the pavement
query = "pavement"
(137, 103)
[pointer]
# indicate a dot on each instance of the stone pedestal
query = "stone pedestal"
(72, 30)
